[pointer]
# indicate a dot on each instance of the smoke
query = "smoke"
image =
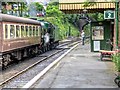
(32, 7)
(32, 10)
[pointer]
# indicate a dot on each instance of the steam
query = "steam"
(32, 8)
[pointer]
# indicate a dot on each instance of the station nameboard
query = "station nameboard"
(109, 14)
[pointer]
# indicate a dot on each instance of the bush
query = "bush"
(63, 27)
(116, 60)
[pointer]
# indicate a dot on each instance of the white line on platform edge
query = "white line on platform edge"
(38, 76)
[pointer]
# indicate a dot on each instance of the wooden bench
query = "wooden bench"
(105, 54)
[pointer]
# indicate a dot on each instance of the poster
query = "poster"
(96, 45)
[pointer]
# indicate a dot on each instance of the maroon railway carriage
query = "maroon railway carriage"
(19, 37)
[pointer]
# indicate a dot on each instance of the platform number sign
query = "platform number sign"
(109, 14)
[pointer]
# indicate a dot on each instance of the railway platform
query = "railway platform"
(80, 69)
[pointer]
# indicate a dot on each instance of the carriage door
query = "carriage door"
(101, 36)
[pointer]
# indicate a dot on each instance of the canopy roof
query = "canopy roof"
(82, 1)
(77, 6)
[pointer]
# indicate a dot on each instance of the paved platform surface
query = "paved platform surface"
(80, 69)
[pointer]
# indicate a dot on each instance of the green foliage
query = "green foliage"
(4, 11)
(116, 60)
(87, 30)
(39, 7)
(88, 3)
(100, 17)
(63, 27)
(69, 21)
(97, 16)
(53, 10)
(61, 20)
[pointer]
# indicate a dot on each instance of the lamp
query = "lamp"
(84, 15)
(85, 11)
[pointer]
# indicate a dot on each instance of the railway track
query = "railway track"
(58, 52)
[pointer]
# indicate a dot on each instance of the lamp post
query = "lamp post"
(116, 23)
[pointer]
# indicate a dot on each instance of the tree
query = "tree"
(39, 7)
(61, 20)
(53, 10)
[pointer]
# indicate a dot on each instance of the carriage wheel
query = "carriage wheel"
(6, 60)
(43, 49)
(19, 55)
(118, 83)
(116, 79)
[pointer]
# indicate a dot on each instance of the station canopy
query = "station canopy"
(77, 6)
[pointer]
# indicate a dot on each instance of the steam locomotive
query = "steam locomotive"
(23, 37)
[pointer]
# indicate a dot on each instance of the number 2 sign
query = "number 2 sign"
(109, 14)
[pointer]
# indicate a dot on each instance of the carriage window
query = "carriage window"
(33, 30)
(17, 31)
(6, 31)
(12, 31)
(37, 31)
(26, 28)
(22, 31)
(30, 31)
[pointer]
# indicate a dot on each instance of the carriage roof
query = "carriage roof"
(10, 18)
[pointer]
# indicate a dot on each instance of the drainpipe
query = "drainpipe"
(116, 21)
